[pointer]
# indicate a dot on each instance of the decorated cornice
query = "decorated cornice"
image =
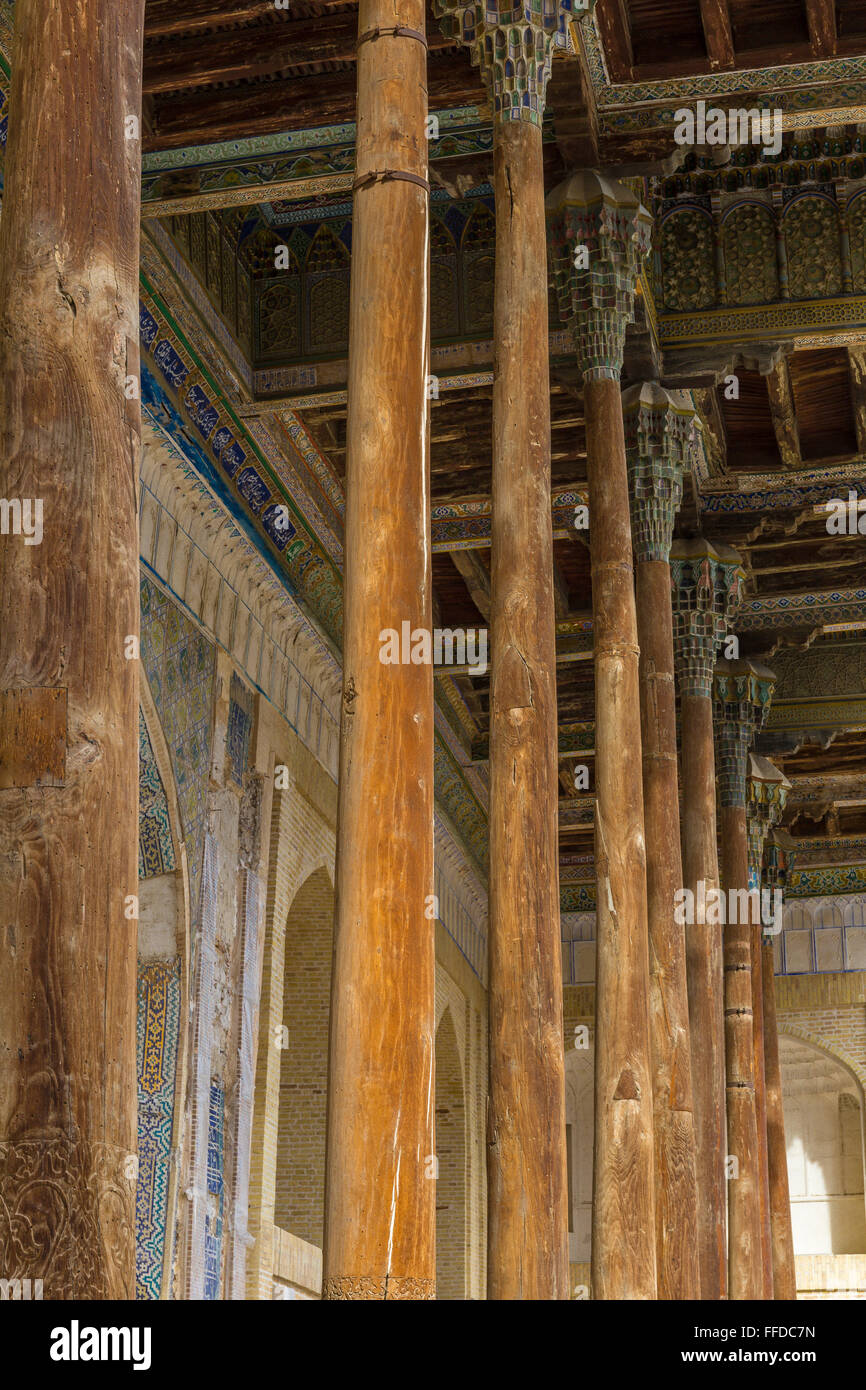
(806, 321)
(289, 169)
(831, 881)
(821, 608)
(191, 545)
(191, 408)
(804, 91)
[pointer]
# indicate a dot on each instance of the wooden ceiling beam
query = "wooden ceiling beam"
(857, 370)
(784, 416)
(263, 51)
(718, 35)
(163, 18)
(823, 35)
(560, 593)
(297, 103)
(468, 563)
(615, 30)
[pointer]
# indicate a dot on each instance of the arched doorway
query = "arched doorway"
(822, 1103)
(300, 1177)
(579, 1131)
(451, 1156)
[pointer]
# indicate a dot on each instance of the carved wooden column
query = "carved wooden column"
(764, 788)
(527, 1181)
(69, 610)
(705, 582)
(599, 235)
(379, 1194)
(779, 857)
(659, 435)
(741, 698)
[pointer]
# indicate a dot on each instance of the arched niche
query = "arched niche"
(162, 1006)
(749, 241)
(688, 260)
(299, 1204)
(580, 1132)
(451, 1160)
(823, 1106)
(812, 239)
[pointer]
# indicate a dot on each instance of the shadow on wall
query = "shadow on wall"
(300, 1179)
(823, 1104)
(451, 1155)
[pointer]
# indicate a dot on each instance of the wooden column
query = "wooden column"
(778, 858)
(527, 1180)
(705, 583)
(659, 433)
(766, 790)
(741, 696)
(599, 234)
(69, 610)
(379, 1190)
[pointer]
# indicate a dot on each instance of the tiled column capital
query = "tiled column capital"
(706, 586)
(599, 233)
(780, 854)
(512, 44)
(742, 691)
(660, 430)
(766, 794)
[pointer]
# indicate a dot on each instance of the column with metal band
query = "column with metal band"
(527, 1181)
(380, 1218)
(779, 855)
(742, 692)
(660, 431)
(599, 236)
(706, 582)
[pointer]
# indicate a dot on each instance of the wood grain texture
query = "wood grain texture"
(68, 852)
(623, 1222)
(784, 1267)
(716, 22)
(823, 35)
(380, 1192)
(526, 1158)
(745, 1277)
(676, 1193)
(706, 993)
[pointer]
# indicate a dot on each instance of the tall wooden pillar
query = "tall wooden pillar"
(741, 697)
(705, 584)
(766, 791)
(69, 609)
(379, 1190)
(599, 235)
(659, 434)
(779, 858)
(527, 1181)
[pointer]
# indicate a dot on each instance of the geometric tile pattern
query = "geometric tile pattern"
(179, 661)
(155, 846)
(157, 1026)
(240, 725)
(214, 1218)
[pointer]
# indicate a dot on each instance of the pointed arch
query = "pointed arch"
(163, 1005)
